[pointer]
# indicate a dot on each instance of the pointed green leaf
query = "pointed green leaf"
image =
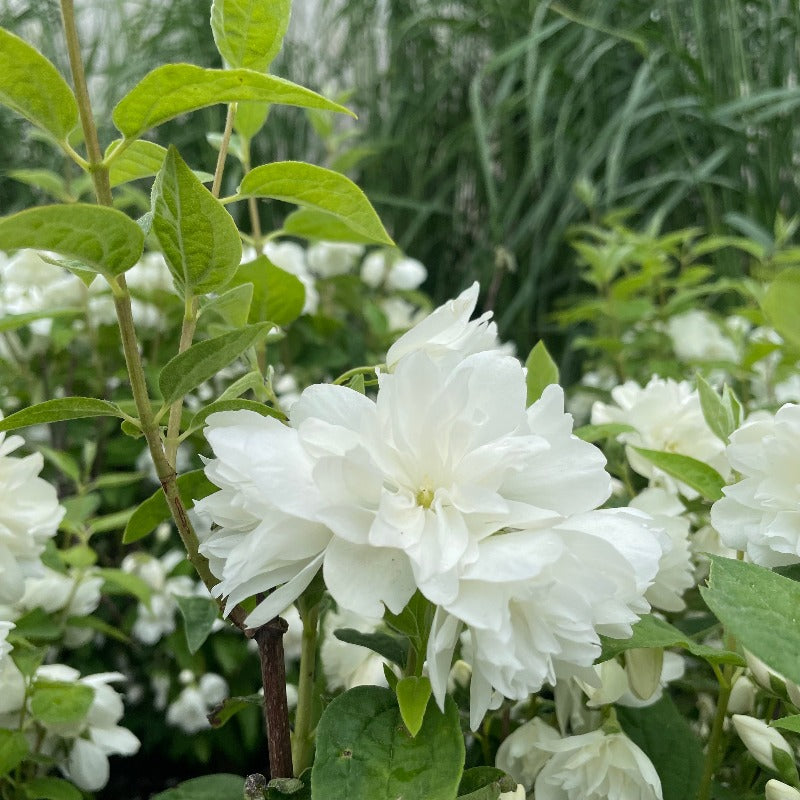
(141, 159)
(102, 239)
(199, 615)
(308, 223)
(315, 187)
(14, 321)
(384, 644)
(484, 783)
(413, 694)
(198, 237)
(153, 511)
(542, 371)
(249, 33)
(56, 703)
(205, 359)
(174, 89)
(209, 787)
(717, 411)
(51, 789)
(13, 750)
(781, 302)
(56, 410)
(233, 306)
(250, 118)
(791, 723)
(702, 478)
(231, 706)
(33, 87)
(278, 295)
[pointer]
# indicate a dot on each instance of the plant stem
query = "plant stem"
(174, 425)
(276, 710)
(303, 719)
(223, 150)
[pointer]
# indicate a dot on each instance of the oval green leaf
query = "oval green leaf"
(249, 33)
(278, 295)
(54, 703)
(198, 237)
(33, 87)
(364, 751)
(781, 302)
(60, 409)
(413, 694)
(175, 89)
(315, 187)
(542, 371)
(703, 479)
(51, 789)
(140, 159)
(103, 239)
(199, 615)
(307, 223)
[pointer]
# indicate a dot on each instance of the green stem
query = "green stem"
(351, 373)
(302, 737)
(223, 150)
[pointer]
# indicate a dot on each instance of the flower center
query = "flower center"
(424, 497)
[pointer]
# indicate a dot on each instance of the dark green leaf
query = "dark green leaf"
(390, 647)
(233, 306)
(38, 625)
(51, 789)
(787, 723)
(484, 783)
(118, 582)
(13, 750)
(209, 787)
(718, 414)
(232, 706)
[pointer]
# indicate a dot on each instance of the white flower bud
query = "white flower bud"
(761, 672)
(743, 696)
(643, 667)
(406, 273)
(373, 268)
(517, 794)
(760, 739)
(775, 790)
(522, 755)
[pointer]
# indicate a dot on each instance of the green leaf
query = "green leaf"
(103, 239)
(413, 694)
(364, 752)
(703, 479)
(153, 511)
(232, 706)
(278, 296)
(56, 703)
(205, 359)
(33, 87)
(199, 615)
(651, 631)
(308, 223)
(197, 235)
(663, 733)
(718, 413)
(484, 783)
(209, 787)
(791, 723)
(95, 624)
(758, 608)
(45, 179)
(174, 89)
(608, 430)
(390, 647)
(13, 750)
(140, 159)
(315, 187)
(252, 380)
(233, 306)
(27, 658)
(250, 118)
(781, 302)
(51, 789)
(80, 555)
(56, 410)
(542, 371)
(249, 33)
(12, 322)
(236, 404)
(117, 581)
(38, 625)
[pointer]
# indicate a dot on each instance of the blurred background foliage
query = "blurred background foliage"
(487, 128)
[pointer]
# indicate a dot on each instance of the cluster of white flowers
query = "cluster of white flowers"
(696, 336)
(444, 483)
(190, 709)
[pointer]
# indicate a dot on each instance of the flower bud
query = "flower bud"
(743, 696)
(373, 268)
(643, 667)
(775, 790)
(761, 741)
(405, 274)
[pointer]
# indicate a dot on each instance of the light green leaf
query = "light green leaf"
(14, 321)
(103, 239)
(652, 632)
(718, 413)
(608, 430)
(413, 694)
(44, 179)
(174, 89)
(308, 223)
(197, 235)
(205, 359)
(51, 789)
(791, 723)
(249, 33)
(62, 408)
(209, 787)
(250, 380)
(199, 615)
(33, 87)
(250, 118)
(141, 159)
(760, 609)
(79, 555)
(13, 750)
(364, 752)
(542, 371)
(278, 296)
(119, 582)
(235, 404)
(153, 511)
(315, 187)
(56, 703)
(233, 306)
(781, 302)
(702, 478)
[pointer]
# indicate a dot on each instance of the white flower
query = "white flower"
(290, 257)
(761, 513)
(348, 665)
(373, 268)
(775, 790)
(400, 314)
(5, 646)
(448, 331)
(29, 516)
(520, 754)
(189, 711)
(405, 274)
(771, 680)
(666, 416)
(327, 259)
(696, 337)
(675, 570)
(596, 766)
(98, 735)
(150, 274)
(760, 739)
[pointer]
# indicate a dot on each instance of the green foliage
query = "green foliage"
(390, 647)
(781, 303)
(209, 787)
(484, 783)
(249, 34)
(140, 159)
(278, 296)
(702, 478)
(13, 750)
(61, 409)
(51, 789)
(721, 413)
(54, 703)
(413, 694)
(199, 239)
(199, 615)
(364, 752)
(309, 223)
(542, 371)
